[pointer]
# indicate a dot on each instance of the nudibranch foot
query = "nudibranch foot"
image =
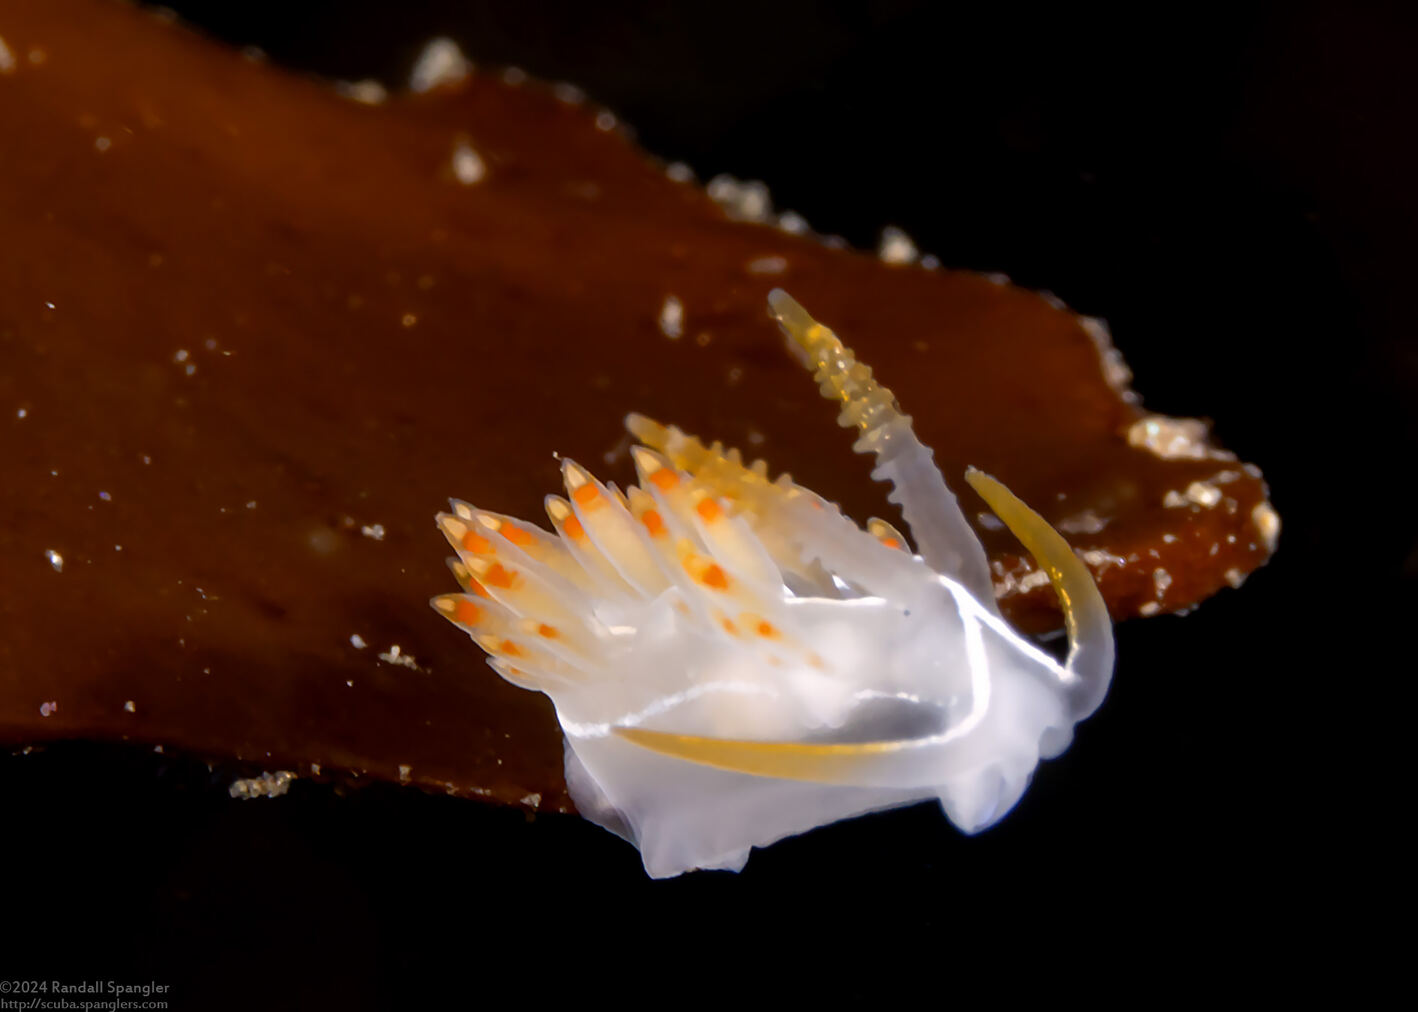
(733, 660)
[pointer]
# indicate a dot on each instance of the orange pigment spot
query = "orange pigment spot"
(729, 627)
(499, 577)
(653, 523)
(477, 544)
(714, 577)
(548, 631)
(516, 535)
(573, 529)
(709, 510)
(466, 612)
(477, 588)
(511, 649)
(586, 494)
(665, 479)
(891, 542)
(767, 629)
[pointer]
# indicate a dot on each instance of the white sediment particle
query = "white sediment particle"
(56, 561)
(468, 165)
(440, 63)
(375, 532)
(679, 172)
(267, 785)
(996, 278)
(48, 709)
(405, 772)
(1100, 559)
(533, 800)
(1267, 523)
(605, 121)
(568, 93)
(767, 265)
(1086, 522)
(1203, 494)
(7, 59)
(793, 223)
(396, 655)
(672, 318)
(1115, 370)
(742, 200)
(1161, 579)
(896, 247)
(130, 707)
(1235, 577)
(357, 641)
(102, 144)
(930, 262)
(22, 413)
(1148, 608)
(366, 92)
(989, 521)
(1176, 439)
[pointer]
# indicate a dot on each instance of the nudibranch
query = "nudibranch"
(733, 660)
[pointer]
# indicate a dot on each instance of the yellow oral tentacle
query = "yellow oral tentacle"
(870, 763)
(1090, 631)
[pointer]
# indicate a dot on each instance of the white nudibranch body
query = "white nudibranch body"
(734, 661)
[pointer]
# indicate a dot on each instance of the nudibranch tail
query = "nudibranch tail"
(1090, 630)
(943, 536)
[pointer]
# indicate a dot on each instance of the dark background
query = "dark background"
(1232, 186)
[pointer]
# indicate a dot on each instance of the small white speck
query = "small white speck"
(746, 200)
(315, 769)
(22, 413)
(605, 120)
(1161, 579)
(395, 655)
(533, 800)
(896, 247)
(404, 773)
(251, 504)
(679, 172)
(130, 707)
(181, 355)
(930, 262)
(365, 92)
(792, 223)
(989, 521)
(357, 641)
(267, 785)
(145, 458)
(409, 319)
(568, 93)
(1148, 608)
(7, 59)
(105, 497)
(672, 318)
(374, 532)
(56, 561)
(189, 369)
(157, 749)
(468, 165)
(1235, 577)
(440, 63)
(102, 143)
(48, 709)
(767, 265)
(755, 438)
(1169, 538)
